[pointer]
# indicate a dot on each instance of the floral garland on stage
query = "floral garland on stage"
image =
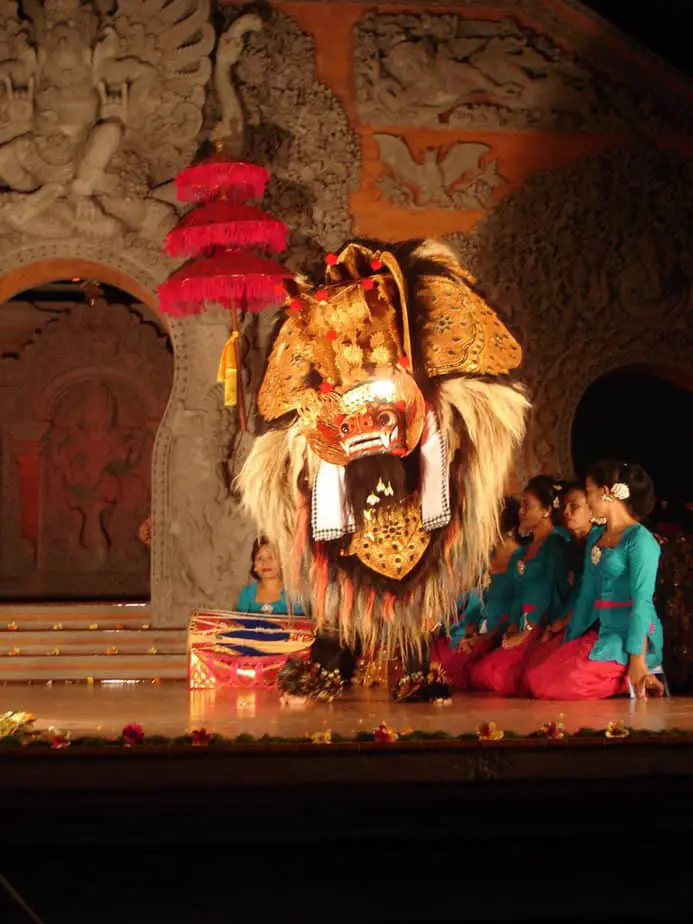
(18, 732)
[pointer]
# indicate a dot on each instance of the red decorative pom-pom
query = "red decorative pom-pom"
(404, 362)
(321, 295)
(201, 738)
(367, 283)
(331, 335)
(133, 734)
(331, 259)
(376, 264)
(294, 305)
(325, 388)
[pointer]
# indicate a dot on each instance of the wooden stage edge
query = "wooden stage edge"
(377, 792)
(154, 769)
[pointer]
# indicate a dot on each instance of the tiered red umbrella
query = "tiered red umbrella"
(220, 235)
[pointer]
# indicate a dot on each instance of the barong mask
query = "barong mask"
(381, 474)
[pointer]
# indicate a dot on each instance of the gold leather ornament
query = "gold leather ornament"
(394, 539)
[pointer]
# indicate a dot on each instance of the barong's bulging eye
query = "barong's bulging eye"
(386, 419)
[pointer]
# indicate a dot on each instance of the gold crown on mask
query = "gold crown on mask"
(356, 329)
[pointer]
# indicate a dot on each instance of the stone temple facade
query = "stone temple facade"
(549, 150)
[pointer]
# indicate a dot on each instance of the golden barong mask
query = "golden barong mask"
(342, 361)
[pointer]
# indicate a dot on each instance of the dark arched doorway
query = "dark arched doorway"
(85, 374)
(642, 414)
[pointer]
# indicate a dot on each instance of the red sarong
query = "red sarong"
(569, 674)
(456, 664)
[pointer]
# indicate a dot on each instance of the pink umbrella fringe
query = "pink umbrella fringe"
(208, 179)
(181, 298)
(269, 233)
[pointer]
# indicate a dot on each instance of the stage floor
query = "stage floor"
(171, 709)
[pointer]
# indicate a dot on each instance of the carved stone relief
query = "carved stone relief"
(448, 70)
(97, 114)
(297, 127)
(80, 405)
(455, 180)
(592, 275)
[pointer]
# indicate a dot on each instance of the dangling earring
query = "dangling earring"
(608, 498)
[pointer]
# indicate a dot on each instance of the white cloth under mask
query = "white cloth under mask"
(330, 517)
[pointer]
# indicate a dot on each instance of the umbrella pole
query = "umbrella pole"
(239, 375)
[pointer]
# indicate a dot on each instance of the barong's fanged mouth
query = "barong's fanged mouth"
(366, 444)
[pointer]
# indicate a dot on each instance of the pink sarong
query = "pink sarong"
(456, 664)
(569, 674)
(536, 655)
(501, 670)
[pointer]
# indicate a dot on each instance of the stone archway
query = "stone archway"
(91, 366)
(191, 446)
(556, 401)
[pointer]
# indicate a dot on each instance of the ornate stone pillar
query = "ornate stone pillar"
(200, 540)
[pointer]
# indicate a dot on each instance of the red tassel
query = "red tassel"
(367, 283)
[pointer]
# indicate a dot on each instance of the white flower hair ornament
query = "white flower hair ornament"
(620, 491)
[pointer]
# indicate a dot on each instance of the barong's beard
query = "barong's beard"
(376, 481)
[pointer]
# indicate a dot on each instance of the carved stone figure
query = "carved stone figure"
(97, 460)
(231, 124)
(297, 127)
(98, 112)
(449, 70)
(455, 180)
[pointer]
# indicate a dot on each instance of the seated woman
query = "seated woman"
(577, 525)
(614, 633)
(539, 591)
(266, 593)
(482, 616)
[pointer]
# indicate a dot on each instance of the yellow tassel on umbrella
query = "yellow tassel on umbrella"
(228, 370)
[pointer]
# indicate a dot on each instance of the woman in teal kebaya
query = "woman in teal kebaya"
(482, 616)
(266, 593)
(614, 634)
(539, 591)
(575, 530)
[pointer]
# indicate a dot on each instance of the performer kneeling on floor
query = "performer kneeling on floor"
(539, 593)
(483, 616)
(614, 634)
